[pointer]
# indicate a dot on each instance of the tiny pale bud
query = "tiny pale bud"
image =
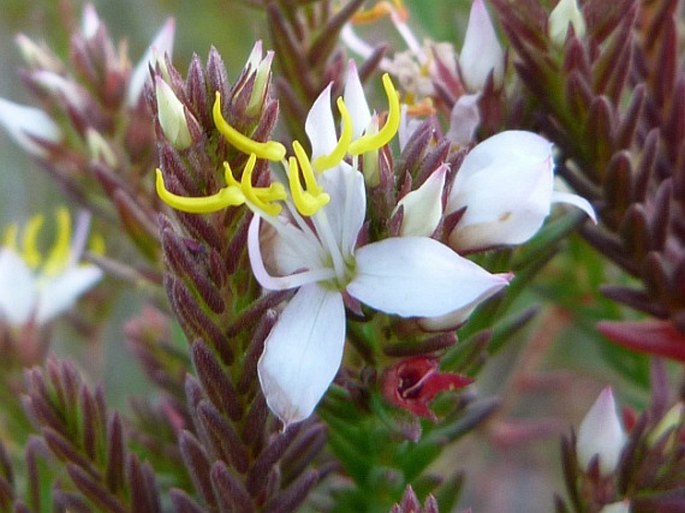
(99, 148)
(37, 56)
(616, 507)
(422, 208)
(601, 434)
(481, 53)
(171, 115)
(564, 14)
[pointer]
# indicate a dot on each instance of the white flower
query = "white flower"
(601, 434)
(29, 126)
(405, 276)
(163, 43)
(37, 289)
(481, 53)
(506, 184)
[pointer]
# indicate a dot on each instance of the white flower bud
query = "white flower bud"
(564, 14)
(670, 421)
(481, 53)
(601, 434)
(422, 208)
(506, 185)
(171, 115)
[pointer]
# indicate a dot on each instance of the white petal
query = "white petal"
(18, 291)
(163, 43)
(355, 101)
(600, 433)
(452, 320)
(418, 276)
(58, 294)
(302, 353)
(576, 201)
(25, 124)
(481, 52)
(291, 254)
(505, 183)
(423, 207)
(320, 125)
(346, 210)
(408, 126)
(464, 120)
(564, 14)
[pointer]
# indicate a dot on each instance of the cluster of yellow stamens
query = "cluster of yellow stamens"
(307, 198)
(28, 247)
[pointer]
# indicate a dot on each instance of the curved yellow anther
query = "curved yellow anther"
(29, 243)
(261, 197)
(384, 135)
(269, 150)
(306, 202)
(226, 197)
(61, 250)
(334, 157)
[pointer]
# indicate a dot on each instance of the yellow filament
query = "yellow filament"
(9, 240)
(261, 197)
(226, 197)
(61, 250)
(334, 157)
(305, 201)
(307, 172)
(269, 150)
(375, 141)
(380, 10)
(29, 243)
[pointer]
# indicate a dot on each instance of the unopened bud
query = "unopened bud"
(422, 208)
(99, 148)
(601, 434)
(163, 43)
(37, 56)
(172, 117)
(481, 53)
(564, 14)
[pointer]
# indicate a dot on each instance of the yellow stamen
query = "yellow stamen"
(380, 10)
(324, 162)
(269, 150)
(261, 197)
(61, 250)
(307, 172)
(306, 202)
(230, 195)
(9, 240)
(384, 136)
(29, 243)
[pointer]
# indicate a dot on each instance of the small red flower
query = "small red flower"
(413, 383)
